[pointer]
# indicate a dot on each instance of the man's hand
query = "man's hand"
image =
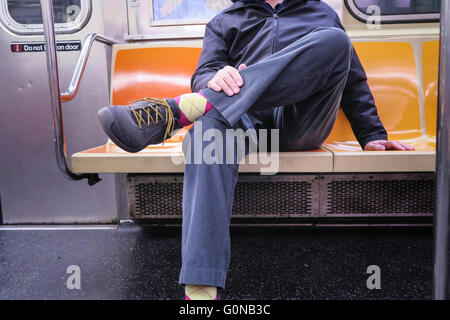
(227, 79)
(383, 145)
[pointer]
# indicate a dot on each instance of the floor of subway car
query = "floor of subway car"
(273, 263)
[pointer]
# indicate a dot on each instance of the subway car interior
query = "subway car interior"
(72, 200)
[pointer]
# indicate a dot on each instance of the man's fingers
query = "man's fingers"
(233, 73)
(213, 85)
(227, 79)
(241, 67)
(394, 145)
(231, 83)
(375, 147)
(407, 146)
(381, 145)
(397, 145)
(225, 87)
(232, 78)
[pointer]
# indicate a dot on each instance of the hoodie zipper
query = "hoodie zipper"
(275, 30)
(275, 15)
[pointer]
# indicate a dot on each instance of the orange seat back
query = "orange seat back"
(152, 72)
(390, 67)
(392, 77)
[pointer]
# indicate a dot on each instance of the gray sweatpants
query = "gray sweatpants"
(297, 90)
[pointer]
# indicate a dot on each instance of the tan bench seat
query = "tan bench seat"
(169, 159)
(165, 72)
(392, 75)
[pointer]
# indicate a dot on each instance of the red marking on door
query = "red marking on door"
(18, 48)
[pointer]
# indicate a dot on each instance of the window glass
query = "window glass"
(187, 10)
(401, 7)
(29, 11)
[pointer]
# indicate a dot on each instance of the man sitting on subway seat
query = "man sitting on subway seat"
(285, 65)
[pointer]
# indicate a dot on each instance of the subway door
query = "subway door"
(32, 188)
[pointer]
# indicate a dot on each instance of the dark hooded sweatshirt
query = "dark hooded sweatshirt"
(250, 30)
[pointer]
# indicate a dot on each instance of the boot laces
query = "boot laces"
(143, 114)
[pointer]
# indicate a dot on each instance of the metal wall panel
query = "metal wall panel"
(32, 188)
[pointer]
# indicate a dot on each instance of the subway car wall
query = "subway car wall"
(32, 189)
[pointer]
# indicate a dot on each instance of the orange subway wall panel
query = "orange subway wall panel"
(430, 69)
(153, 72)
(392, 77)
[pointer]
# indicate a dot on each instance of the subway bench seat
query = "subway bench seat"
(392, 75)
(166, 72)
(337, 183)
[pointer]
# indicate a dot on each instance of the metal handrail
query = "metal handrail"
(55, 91)
(81, 64)
(441, 217)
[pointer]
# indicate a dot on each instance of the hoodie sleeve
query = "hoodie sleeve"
(358, 103)
(214, 57)
(359, 106)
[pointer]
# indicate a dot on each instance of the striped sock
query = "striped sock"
(192, 106)
(194, 292)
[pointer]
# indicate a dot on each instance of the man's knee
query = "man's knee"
(335, 38)
(335, 44)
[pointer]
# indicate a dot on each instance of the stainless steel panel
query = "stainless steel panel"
(441, 283)
(32, 188)
(115, 19)
(70, 27)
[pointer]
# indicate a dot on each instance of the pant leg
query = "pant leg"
(307, 124)
(207, 204)
(314, 63)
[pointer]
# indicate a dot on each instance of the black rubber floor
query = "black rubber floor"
(143, 263)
